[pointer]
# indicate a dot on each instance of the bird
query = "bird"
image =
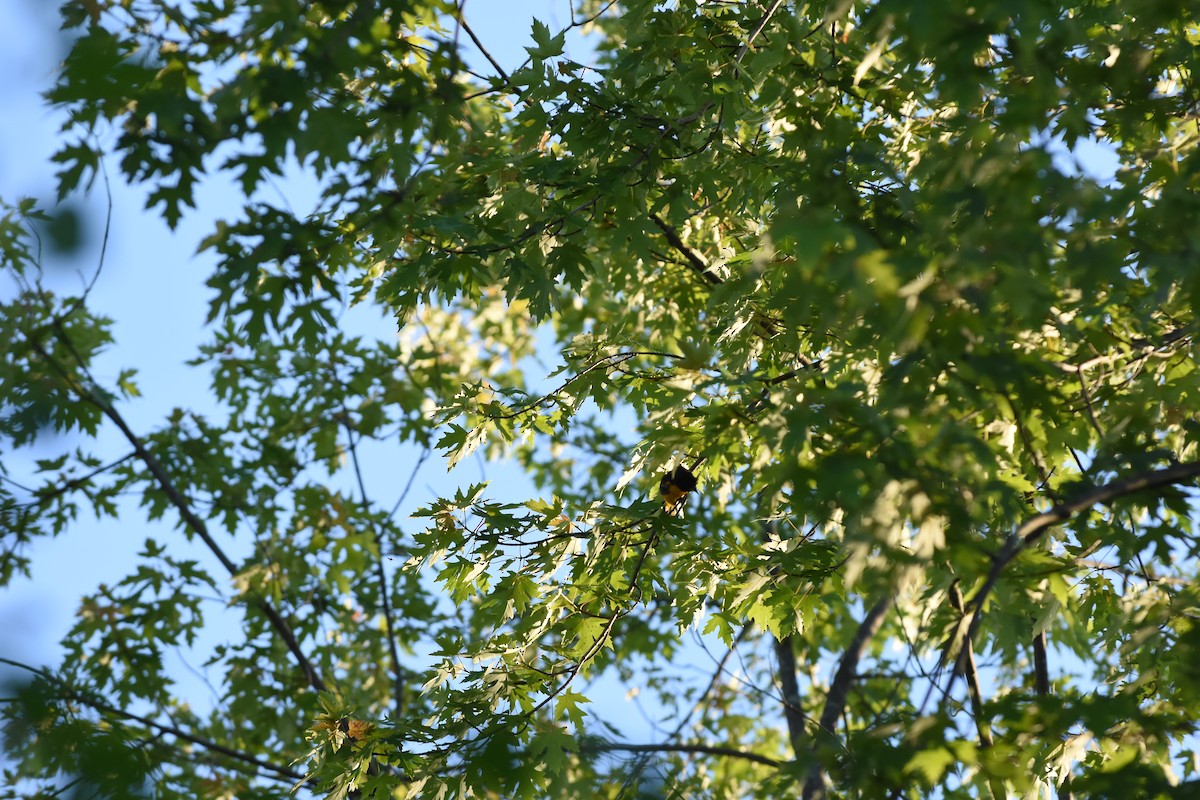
(675, 486)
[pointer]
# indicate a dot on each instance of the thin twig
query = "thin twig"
(712, 684)
(712, 750)
(604, 636)
(399, 675)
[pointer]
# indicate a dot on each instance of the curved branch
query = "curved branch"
(1033, 528)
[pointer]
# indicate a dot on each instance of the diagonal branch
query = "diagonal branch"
(104, 708)
(462, 20)
(1033, 528)
(176, 498)
(604, 636)
(839, 690)
(762, 23)
(711, 750)
(966, 665)
(697, 262)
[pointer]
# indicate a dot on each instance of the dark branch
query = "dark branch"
(67, 693)
(1033, 528)
(697, 262)
(462, 20)
(1041, 671)
(704, 749)
(785, 654)
(179, 502)
(839, 690)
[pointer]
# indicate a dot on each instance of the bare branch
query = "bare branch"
(462, 20)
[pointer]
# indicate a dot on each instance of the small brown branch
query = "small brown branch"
(703, 749)
(1033, 528)
(613, 360)
(697, 262)
(839, 690)
(44, 497)
(702, 701)
(1144, 351)
(793, 714)
(1041, 682)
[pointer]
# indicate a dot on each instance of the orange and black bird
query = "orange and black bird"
(675, 486)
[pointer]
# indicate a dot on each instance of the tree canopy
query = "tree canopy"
(909, 288)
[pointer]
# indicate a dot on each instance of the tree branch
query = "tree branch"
(839, 690)
(711, 750)
(966, 665)
(1033, 528)
(385, 588)
(462, 20)
(1041, 671)
(785, 654)
(176, 499)
(697, 262)
(762, 23)
(104, 708)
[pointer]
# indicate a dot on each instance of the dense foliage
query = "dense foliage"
(850, 264)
